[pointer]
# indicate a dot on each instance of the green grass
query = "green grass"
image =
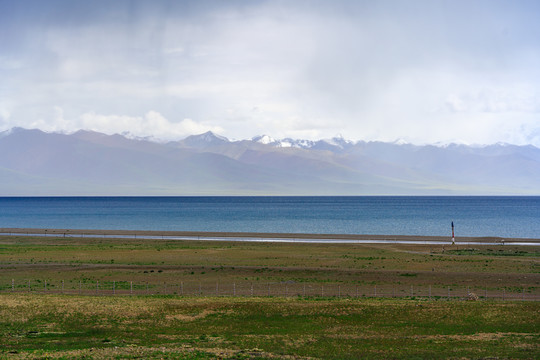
(512, 251)
(170, 327)
(157, 261)
(317, 327)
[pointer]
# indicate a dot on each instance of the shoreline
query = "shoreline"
(256, 236)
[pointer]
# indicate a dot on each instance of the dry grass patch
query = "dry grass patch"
(201, 315)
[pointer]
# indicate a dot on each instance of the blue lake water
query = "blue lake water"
(517, 217)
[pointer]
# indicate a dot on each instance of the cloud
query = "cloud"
(426, 71)
(496, 100)
(7, 63)
(152, 125)
(4, 115)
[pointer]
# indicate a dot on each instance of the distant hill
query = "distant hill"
(33, 162)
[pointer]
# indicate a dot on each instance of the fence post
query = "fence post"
(251, 289)
(304, 290)
(356, 290)
(62, 286)
(234, 288)
(268, 289)
(503, 293)
(147, 288)
(97, 286)
(412, 291)
(200, 289)
(12, 284)
(29, 288)
(375, 291)
(339, 291)
(131, 287)
(430, 291)
(45, 285)
(448, 292)
(182, 288)
(322, 290)
(522, 293)
(468, 291)
(114, 287)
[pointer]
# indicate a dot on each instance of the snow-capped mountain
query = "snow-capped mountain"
(89, 163)
(204, 140)
(264, 139)
(210, 139)
(334, 144)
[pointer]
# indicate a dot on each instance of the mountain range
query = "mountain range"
(36, 163)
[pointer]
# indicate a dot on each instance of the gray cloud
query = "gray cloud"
(424, 71)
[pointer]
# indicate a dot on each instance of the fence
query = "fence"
(276, 289)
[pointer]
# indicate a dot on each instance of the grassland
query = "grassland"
(72, 326)
(161, 261)
(50, 326)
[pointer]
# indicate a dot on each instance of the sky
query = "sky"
(418, 71)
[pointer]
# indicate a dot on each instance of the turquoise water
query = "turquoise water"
(386, 215)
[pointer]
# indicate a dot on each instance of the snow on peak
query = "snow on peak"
(284, 144)
(264, 139)
(400, 142)
(303, 144)
(299, 144)
(337, 141)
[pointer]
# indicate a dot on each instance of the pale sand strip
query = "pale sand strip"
(256, 235)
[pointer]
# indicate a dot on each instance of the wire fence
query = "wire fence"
(274, 289)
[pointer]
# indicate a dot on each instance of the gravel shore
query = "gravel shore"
(255, 235)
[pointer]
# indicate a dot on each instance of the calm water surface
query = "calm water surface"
(388, 215)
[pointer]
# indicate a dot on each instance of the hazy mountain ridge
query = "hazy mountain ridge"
(90, 163)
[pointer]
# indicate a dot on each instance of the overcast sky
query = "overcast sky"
(422, 71)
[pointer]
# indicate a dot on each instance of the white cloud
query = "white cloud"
(299, 69)
(515, 99)
(174, 51)
(152, 124)
(4, 115)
